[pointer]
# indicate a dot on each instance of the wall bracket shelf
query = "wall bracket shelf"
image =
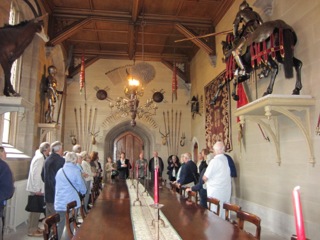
(271, 106)
(14, 104)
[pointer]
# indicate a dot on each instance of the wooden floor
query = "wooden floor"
(110, 217)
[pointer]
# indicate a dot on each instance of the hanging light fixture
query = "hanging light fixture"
(139, 74)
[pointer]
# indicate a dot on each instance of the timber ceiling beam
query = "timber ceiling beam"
(125, 17)
(124, 55)
(183, 30)
(135, 10)
(132, 41)
(69, 31)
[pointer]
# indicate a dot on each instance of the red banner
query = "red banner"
(174, 82)
(82, 74)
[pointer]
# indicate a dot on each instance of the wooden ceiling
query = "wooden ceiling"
(134, 29)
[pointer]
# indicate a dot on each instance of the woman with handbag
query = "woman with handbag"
(69, 185)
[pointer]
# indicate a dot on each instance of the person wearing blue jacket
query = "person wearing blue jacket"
(6, 186)
(69, 183)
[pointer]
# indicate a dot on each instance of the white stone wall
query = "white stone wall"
(95, 76)
(262, 186)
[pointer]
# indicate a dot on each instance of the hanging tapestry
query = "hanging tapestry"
(218, 122)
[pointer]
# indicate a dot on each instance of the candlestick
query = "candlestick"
(156, 186)
(298, 214)
(145, 170)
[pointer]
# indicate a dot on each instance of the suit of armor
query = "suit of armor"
(250, 21)
(51, 92)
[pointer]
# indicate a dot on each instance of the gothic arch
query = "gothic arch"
(140, 130)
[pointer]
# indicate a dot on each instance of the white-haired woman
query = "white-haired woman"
(68, 183)
(88, 177)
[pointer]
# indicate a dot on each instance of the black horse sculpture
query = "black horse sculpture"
(13, 41)
(269, 44)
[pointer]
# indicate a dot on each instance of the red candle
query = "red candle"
(298, 217)
(137, 170)
(156, 186)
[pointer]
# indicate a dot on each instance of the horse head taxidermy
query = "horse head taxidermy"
(93, 137)
(14, 39)
(164, 137)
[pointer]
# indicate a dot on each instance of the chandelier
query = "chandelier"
(129, 105)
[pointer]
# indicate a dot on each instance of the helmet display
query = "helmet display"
(243, 5)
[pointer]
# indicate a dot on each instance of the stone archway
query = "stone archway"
(140, 130)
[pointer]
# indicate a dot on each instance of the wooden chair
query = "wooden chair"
(83, 212)
(228, 207)
(71, 219)
(50, 227)
(182, 190)
(215, 202)
(249, 217)
(193, 195)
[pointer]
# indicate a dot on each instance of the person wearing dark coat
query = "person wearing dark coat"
(173, 168)
(123, 166)
(156, 160)
(52, 164)
(232, 166)
(203, 164)
(199, 188)
(6, 186)
(189, 173)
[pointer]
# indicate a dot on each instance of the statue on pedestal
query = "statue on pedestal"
(51, 93)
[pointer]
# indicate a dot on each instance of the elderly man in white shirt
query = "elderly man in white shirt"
(35, 185)
(217, 176)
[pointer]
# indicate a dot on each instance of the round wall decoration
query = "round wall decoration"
(158, 97)
(102, 94)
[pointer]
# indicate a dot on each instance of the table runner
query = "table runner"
(142, 216)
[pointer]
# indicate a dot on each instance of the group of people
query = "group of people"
(60, 177)
(140, 168)
(210, 176)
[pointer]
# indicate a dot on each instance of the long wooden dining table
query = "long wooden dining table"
(110, 217)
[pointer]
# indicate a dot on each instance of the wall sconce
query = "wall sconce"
(130, 105)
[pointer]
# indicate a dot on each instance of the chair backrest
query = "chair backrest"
(193, 195)
(215, 202)
(249, 217)
(71, 218)
(229, 207)
(50, 227)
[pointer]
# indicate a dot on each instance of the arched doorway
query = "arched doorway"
(129, 143)
(123, 137)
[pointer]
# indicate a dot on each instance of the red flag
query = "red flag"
(174, 82)
(243, 99)
(82, 74)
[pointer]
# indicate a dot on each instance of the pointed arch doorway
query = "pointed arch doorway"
(130, 143)
(123, 137)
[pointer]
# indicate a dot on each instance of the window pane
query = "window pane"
(6, 128)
